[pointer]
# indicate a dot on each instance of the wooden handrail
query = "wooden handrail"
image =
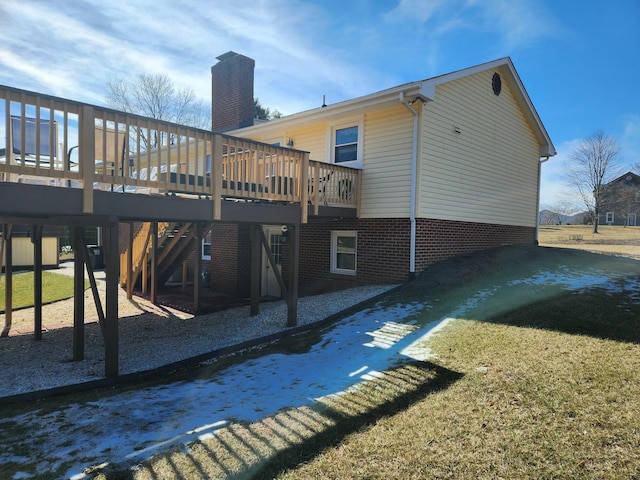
(140, 252)
(100, 148)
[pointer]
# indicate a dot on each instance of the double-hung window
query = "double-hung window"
(345, 144)
(344, 251)
(609, 218)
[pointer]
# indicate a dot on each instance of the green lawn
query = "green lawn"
(528, 383)
(54, 287)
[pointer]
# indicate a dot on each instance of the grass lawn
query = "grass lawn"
(54, 287)
(575, 234)
(534, 384)
(533, 402)
(609, 239)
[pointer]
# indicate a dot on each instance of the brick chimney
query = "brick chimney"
(232, 92)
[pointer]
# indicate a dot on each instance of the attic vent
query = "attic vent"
(496, 83)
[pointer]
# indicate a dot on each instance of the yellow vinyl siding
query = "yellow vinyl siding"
(386, 172)
(487, 173)
(386, 176)
(311, 139)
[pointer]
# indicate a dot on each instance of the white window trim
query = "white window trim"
(331, 135)
(203, 256)
(334, 251)
(609, 217)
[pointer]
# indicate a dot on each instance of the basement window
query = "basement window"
(344, 252)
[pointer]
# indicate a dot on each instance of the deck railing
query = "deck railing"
(63, 143)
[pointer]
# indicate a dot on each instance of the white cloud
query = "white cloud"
(516, 24)
(554, 189)
(415, 10)
(74, 48)
(630, 140)
(519, 24)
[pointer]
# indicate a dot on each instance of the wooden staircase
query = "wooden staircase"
(175, 243)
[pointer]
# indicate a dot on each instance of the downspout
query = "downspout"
(546, 159)
(414, 170)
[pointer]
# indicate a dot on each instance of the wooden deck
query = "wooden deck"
(60, 143)
(68, 163)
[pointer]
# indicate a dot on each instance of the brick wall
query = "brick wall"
(441, 239)
(382, 251)
(383, 254)
(229, 268)
(232, 92)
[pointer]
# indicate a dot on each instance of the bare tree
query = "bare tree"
(558, 213)
(594, 163)
(155, 96)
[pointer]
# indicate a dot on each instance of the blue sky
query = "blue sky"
(579, 60)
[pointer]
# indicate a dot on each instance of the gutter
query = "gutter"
(414, 170)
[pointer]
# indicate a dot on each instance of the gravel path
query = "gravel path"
(149, 336)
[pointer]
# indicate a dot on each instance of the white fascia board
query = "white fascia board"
(356, 105)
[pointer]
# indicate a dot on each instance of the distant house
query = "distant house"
(450, 165)
(620, 204)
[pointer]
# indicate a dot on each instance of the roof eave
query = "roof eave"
(423, 90)
(411, 91)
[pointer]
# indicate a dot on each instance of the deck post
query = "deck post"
(197, 274)
(110, 331)
(294, 265)
(153, 291)
(77, 239)
(256, 246)
(304, 187)
(2, 245)
(86, 155)
(8, 278)
(36, 239)
(216, 176)
(130, 278)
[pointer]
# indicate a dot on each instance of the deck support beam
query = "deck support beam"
(77, 240)
(197, 274)
(36, 239)
(153, 291)
(8, 278)
(256, 246)
(294, 265)
(130, 275)
(110, 331)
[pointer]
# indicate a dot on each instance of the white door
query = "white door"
(631, 221)
(270, 285)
